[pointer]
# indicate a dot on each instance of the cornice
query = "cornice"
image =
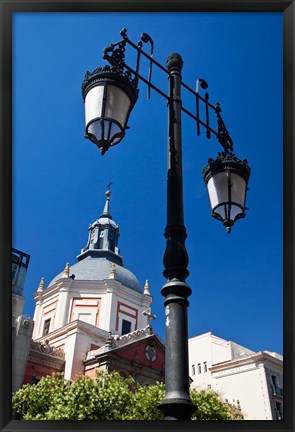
(53, 289)
(124, 342)
(247, 360)
(70, 285)
(46, 360)
(75, 327)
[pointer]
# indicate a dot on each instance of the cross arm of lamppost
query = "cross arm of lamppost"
(110, 93)
(115, 55)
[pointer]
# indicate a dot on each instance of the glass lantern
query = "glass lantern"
(109, 96)
(226, 179)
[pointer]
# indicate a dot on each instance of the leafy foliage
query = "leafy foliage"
(210, 406)
(108, 397)
(145, 401)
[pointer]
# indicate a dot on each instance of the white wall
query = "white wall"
(206, 348)
(56, 303)
(246, 384)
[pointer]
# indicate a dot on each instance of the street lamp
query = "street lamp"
(227, 178)
(109, 94)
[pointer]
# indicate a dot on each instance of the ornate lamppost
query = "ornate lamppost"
(110, 93)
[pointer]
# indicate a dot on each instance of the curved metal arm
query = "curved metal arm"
(115, 55)
(146, 38)
(223, 135)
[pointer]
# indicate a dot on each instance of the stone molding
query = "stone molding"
(115, 341)
(45, 348)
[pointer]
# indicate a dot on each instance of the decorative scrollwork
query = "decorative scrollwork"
(223, 135)
(98, 73)
(224, 160)
(117, 58)
(45, 348)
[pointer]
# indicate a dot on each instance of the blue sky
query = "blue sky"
(59, 178)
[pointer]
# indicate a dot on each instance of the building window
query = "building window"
(101, 239)
(193, 370)
(279, 411)
(199, 368)
(126, 327)
(276, 390)
(205, 367)
(274, 380)
(46, 326)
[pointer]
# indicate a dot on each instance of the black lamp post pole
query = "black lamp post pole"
(177, 404)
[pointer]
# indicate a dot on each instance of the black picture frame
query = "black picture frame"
(7, 8)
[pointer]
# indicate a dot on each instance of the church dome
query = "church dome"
(101, 253)
(98, 268)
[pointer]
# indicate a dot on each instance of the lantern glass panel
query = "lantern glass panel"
(235, 211)
(93, 103)
(221, 211)
(117, 105)
(95, 129)
(218, 188)
(238, 189)
(114, 129)
(104, 130)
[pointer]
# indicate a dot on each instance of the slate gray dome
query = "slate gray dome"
(93, 268)
(101, 252)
